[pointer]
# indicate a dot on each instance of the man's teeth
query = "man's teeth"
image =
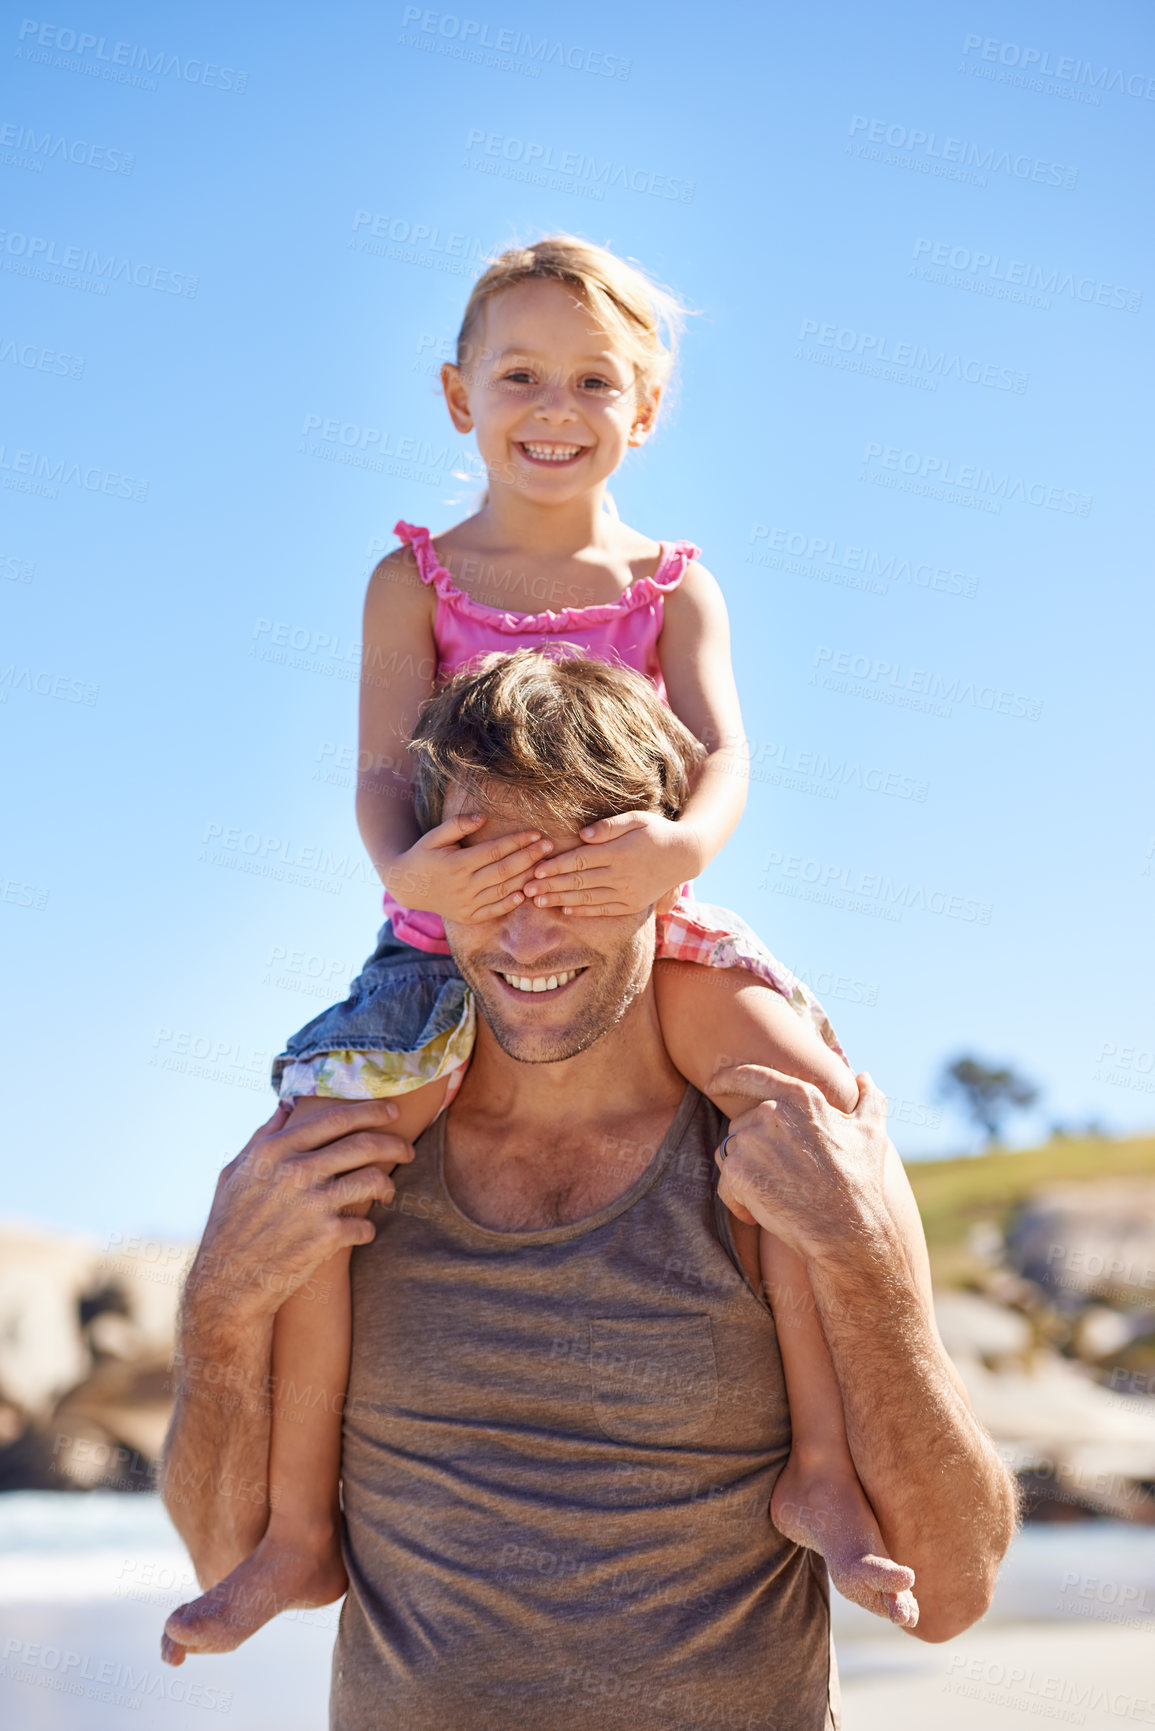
(551, 453)
(543, 983)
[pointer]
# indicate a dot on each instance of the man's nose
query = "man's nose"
(528, 932)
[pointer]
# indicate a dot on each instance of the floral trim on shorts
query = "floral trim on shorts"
(384, 1075)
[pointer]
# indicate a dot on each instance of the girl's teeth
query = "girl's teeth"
(553, 453)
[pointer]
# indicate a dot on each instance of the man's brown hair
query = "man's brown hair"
(576, 738)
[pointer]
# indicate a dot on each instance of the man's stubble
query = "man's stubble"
(618, 980)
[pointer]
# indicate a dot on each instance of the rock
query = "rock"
(150, 1274)
(1052, 1421)
(974, 1327)
(1083, 1241)
(109, 1431)
(43, 1351)
(1101, 1332)
(86, 1343)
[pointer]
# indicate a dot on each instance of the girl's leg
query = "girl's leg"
(712, 1018)
(298, 1561)
(817, 1499)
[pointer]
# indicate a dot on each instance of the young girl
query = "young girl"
(561, 367)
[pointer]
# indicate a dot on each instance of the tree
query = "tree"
(986, 1094)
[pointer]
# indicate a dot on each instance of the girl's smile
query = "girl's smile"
(540, 452)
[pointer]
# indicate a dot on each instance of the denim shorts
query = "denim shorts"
(402, 999)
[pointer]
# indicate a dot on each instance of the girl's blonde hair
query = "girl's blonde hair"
(644, 317)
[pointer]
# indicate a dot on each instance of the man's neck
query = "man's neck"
(542, 1145)
(625, 1073)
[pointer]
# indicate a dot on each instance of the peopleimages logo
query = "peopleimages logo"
(44, 147)
(874, 893)
(945, 472)
(422, 237)
(39, 256)
(936, 363)
(878, 570)
(44, 684)
(33, 472)
(1039, 60)
(916, 687)
(120, 60)
(471, 33)
(573, 165)
(917, 143)
(814, 771)
(1017, 273)
(285, 861)
(41, 360)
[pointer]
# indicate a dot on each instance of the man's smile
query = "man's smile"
(533, 983)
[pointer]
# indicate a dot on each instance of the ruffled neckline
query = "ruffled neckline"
(674, 555)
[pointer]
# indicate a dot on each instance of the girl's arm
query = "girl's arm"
(636, 857)
(694, 651)
(398, 665)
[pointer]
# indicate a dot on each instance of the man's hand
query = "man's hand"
(466, 884)
(294, 1196)
(808, 1173)
(628, 863)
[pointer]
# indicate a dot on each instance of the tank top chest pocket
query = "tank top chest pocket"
(653, 1379)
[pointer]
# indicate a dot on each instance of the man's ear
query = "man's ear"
(666, 902)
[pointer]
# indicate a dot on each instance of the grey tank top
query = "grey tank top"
(559, 1449)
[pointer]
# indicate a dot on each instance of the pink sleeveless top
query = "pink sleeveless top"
(625, 631)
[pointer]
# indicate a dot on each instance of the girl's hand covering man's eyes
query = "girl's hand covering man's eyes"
(626, 863)
(465, 884)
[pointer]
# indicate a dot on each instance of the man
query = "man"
(566, 1409)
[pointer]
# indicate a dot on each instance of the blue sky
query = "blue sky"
(909, 437)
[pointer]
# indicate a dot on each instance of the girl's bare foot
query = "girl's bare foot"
(282, 1574)
(827, 1511)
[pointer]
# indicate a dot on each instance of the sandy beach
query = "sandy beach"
(85, 1583)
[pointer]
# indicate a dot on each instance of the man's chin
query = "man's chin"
(598, 1006)
(522, 1040)
(530, 1048)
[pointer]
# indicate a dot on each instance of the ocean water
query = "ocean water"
(87, 1580)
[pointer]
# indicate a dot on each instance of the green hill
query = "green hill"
(955, 1195)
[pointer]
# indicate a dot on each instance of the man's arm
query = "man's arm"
(817, 1178)
(944, 1501)
(290, 1200)
(216, 1456)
